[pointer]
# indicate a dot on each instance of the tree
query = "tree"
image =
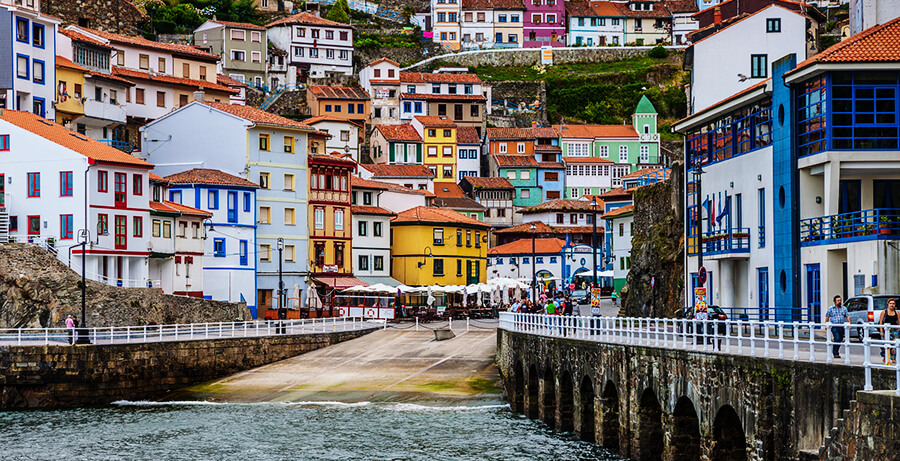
(339, 12)
(408, 13)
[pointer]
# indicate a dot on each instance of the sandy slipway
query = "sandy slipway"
(384, 366)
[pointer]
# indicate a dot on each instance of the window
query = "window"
(344, 35)
(551, 18)
(23, 70)
(255, 56)
(551, 176)
(645, 154)
(329, 54)
(525, 193)
(34, 225)
(301, 32)
(362, 228)
(623, 154)
(238, 55)
(379, 263)
(363, 262)
(448, 171)
(621, 229)
(758, 67)
(459, 267)
(212, 199)
(288, 181)
(231, 205)
(438, 270)
(65, 226)
(432, 151)
(289, 217)
(161, 65)
(138, 223)
(155, 226)
(536, 18)
(525, 175)
(167, 230)
(573, 218)
(320, 218)
(121, 230)
(265, 215)
(501, 18)
(22, 30)
(264, 142)
(511, 175)
(773, 25)
(339, 219)
(376, 229)
(160, 99)
(65, 183)
(265, 252)
(367, 198)
(247, 202)
(38, 71)
(34, 184)
(263, 180)
(290, 253)
(438, 236)
(242, 252)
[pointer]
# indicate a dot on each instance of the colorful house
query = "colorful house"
(346, 102)
(545, 23)
(621, 220)
(521, 171)
(646, 23)
(439, 142)
(594, 23)
(468, 149)
(330, 229)
(509, 23)
(396, 145)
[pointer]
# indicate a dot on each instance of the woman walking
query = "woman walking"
(889, 316)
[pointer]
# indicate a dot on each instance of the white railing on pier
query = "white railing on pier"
(184, 332)
(798, 341)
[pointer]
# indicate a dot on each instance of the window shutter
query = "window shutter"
(391, 152)
(418, 153)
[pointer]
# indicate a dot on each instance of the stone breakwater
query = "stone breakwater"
(69, 376)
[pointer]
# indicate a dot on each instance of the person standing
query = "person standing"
(889, 316)
(70, 325)
(837, 315)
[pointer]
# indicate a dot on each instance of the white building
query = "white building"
(445, 23)
(391, 197)
(590, 175)
(381, 80)
(315, 46)
(561, 213)
(371, 233)
(345, 134)
(724, 62)
(28, 75)
(622, 223)
(416, 177)
(476, 25)
(514, 260)
(594, 23)
(59, 184)
(468, 152)
(258, 146)
(683, 22)
(868, 13)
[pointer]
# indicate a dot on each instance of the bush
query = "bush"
(658, 52)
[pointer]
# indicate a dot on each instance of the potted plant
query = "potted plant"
(887, 225)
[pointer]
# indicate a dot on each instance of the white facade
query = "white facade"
(868, 13)
(584, 175)
(28, 81)
(622, 232)
(445, 22)
(468, 160)
(371, 243)
(725, 58)
(344, 135)
(595, 31)
(564, 218)
(519, 265)
(477, 29)
(682, 25)
(313, 45)
(381, 80)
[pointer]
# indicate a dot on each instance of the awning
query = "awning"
(339, 282)
(390, 281)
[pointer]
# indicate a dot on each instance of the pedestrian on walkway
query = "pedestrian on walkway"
(70, 325)
(889, 316)
(75, 328)
(837, 315)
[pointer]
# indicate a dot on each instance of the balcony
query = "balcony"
(105, 111)
(723, 243)
(874, 224)
(123, 146)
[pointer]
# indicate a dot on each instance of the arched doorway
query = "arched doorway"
(650, 430)
(609, 419)
(518, 393)
(548, 400)
(566, 403)
(586, 428)
(684, 444)
(533, 393)
(729, 441)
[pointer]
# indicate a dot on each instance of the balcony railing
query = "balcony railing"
(723, 241)
(874, 224)
(123, 146)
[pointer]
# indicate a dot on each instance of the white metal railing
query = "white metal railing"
(184, 332)
(799, 341)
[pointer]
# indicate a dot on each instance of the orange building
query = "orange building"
(510, 141)
(346, 102)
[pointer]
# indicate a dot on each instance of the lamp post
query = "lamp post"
(282, 312)
(594, 237)
(698, 173)
(533, 267)
(82, 334)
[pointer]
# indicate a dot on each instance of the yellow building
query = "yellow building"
(439, 140)
(438, 246)
(70, 89)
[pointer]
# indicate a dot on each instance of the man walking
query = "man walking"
(837, 315)
(70, 325)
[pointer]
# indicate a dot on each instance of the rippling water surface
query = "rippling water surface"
(281, 431)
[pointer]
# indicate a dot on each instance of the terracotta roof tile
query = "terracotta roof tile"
(558, 205)
(479, 182)
(539, 148)
(209, 177)
(223, 79)
(509, 133)
(329, 118)
(90, 148)
(457, 203)
(144, 43)
(425, 77)
(371, 210)
(258, 116)
(596, 131)
(399, 171)
(65, 62)
(384, 60)
(155, 177)
(507, 161)
(580, 8)
(448, 189)
(356, 181)
(880, 43)
(467, 135)
(336, 159)
(622, 210)
(586, 160)
(339, 92)
(77, 36)
(545, 132)
(493, 5)
(307, 18)
(177, 208)
(435, 121)
(434, 215)
(660, 10)
(541, 228)
(682, 6)
(404, 132)
(644, 171)
(134, 74)
(551, 165)
(618, 192)
(443, 97)
(523, 246)
(239, 25)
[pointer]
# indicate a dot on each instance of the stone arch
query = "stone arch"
(651, 438)
(729, 441)
(566, 403)
(518, 393)
(588, 416)
(684, 442)
(533, 393)
(609, 417)
(548, 399)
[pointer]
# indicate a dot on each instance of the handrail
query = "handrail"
(859, 225)
(797, 341)
(278, 92)
(723, 241)
(183, 332)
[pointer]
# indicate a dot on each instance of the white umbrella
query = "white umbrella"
(296, 297)
(430, 298)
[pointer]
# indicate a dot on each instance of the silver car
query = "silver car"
(866, 309)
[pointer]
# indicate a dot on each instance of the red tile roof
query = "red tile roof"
(682, 6)
(615, 193)
(77, 36)
(660, 10)
(586, 160)
(479, 182)
(371, 210)
(223, 79)
(65, 62)
(547, 148)
(880, 43)
(545, 132)
(424, 77)
(433, 215)
(330, 118)
(56, 133)
(457, 203)
(541, 228)
(258, 116)
(209, 177)
(559, 204)
(443, 97)
(596, 131)
(621, 211)
(134, 74)
(448, 189)
(111, 78)
(399, 171)
(507, 161)
(467, 135)
(435, 121)
(509, 133)
(144, 43)
(172, 207)
(523, 246)
(335, 159)
(339, 92)
(339, 282)
(307, 18)
(551, 165)
(404, 132)
(239, 25)
(493, 5)
(642, 172)
(384, 60)
(155, 177)
(369, 184)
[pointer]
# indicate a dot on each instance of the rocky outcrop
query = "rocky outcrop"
(37, 290)
(657, 250)
(867, 430)
(118, 16)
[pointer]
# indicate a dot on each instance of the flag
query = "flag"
(568, 240)
(710, 205)
(726, 210)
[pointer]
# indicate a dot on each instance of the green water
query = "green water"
(284, 431)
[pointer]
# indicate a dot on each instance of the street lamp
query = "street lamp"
(594, 237)
(282, 312)
(82, 334)
(427, 254)
(698, 174)
(533, 270)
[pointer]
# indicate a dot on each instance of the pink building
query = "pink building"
(545, 23)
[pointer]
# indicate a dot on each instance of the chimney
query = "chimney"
(199, 95)
(717, 16)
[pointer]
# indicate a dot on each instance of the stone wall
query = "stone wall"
(869, 429)
(520, 93)
(657, 250)
(530, 57)
(67, 376)
(119, 16)
(37, 290)
(607, 393)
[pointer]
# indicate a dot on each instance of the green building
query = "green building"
(521, 171)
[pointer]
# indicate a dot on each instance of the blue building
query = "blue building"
(793, 185)
(551, 173)
(28, 74)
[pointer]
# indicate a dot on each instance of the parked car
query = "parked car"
(581, 296)
(866, 309)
